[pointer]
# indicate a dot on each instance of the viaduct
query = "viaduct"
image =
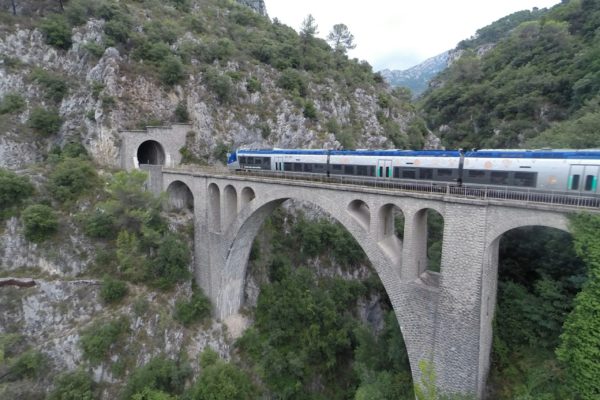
(445, 317)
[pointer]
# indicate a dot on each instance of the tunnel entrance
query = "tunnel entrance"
(151, 152)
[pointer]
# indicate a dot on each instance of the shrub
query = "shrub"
(99, 224)
(55, 86)
(71, 178)
(181, 112)
(195, 310)
(28, 365)
(159, 373)
(170, 265)
(12, 103)
(220, 85)
(220, 152)
(95, 49)
(45, 122)
(76, 385)
(310, 111)
(253, 85)
(57, 31)
(40, 222)
(97, 340)
(13, 189)
(293, 81)
(171, 71)
(112, 290)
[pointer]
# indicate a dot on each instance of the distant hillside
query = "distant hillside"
(417, 78)
(538, 85)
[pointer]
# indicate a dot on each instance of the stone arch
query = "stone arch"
(422, 234)
(361, 213)
(151, 152)
(180, 196)
(230, 204)
(391, 231)
(214, 208)
(247, 195)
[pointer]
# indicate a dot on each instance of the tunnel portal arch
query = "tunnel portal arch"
(151, 152)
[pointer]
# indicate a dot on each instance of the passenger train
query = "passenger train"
(570, 171)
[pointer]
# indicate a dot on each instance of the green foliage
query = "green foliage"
(14, 189)
(152, 394)
(55, 86)
(12, 103)
(426, 389)
(45, 122)
(253, 85)
(76, 385)
(170, 265)
(220, 152)
(99, 338)
(57, 31)
(40, 222)
(220, 84)
(222, 381)
(30, 364)
(310, 111)
(95, 49)
(195, 310)
(159, 374)
(171, 70)
(580, 342)
(181, 112)
(293, 81)
(112, 290)
(71, 178)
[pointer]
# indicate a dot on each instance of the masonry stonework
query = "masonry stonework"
(445, 318)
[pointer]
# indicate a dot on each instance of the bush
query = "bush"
(13, 189)
(181, 112)
(57, 31)
(253, 85)
(45, 122)
(28, 365)
(97, 340)
(195, 310)
(71, 178)
(99, 224)
(76, 385)
(170, 265)
(158, 374)
(293, 81)
(12, 103)
(220, 85)
(310, 111)
(95, 49)
(40, 222)
(112, 290)
(171, 71)
(55, 86)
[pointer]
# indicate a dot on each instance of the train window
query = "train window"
(574, 182)
(361, 170)
(242, 160)
(396, 172)
(287, 166)
(426, 173)
(318, 167)
(526, 179)
(348, 169)
(499, 177)
(409, 174)
(444, 173)
(266, 161)
(336, 169)
(307, 167)
(372, 170)
(590, 183)
(298, 167)
(474, 173)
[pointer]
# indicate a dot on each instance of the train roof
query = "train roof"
(486, 153)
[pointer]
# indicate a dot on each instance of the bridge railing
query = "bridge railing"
(524, 195)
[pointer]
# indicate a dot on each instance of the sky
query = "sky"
(398, 34)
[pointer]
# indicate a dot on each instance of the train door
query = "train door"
(583, 178)
(384, 169)
(278, 163)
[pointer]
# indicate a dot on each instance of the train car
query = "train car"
(573, 171)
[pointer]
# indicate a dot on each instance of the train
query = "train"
(568, 171)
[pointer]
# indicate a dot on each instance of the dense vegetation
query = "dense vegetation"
(537, 87)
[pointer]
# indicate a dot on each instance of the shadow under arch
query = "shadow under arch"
(180, 196)
(242, 232)
(151, 152)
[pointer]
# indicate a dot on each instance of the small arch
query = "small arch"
(180, 197)
(430, 229)
(230, 210)
(361, 212)
(391, 231)
(151, 152)
(214, 213)
(247, 195)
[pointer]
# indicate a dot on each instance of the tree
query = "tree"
(580, 341)
(341, 39)
(309, 27)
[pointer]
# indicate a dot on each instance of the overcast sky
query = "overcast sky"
(398, 34)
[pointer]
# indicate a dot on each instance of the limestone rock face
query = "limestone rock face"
(256, 5)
